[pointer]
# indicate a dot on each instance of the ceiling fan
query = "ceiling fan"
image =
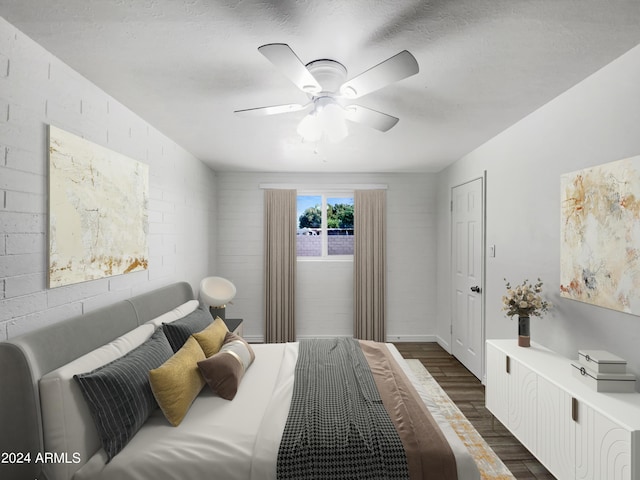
(324, 82)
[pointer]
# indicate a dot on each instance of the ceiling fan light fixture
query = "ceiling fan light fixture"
(334, 123)
(309, 128)
(323, 81)
(327, 120)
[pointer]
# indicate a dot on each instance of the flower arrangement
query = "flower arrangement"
(525, 300)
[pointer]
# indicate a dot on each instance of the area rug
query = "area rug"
(490, 466)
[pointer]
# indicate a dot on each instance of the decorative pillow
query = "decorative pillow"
(119, 395)
(212, 337)
(224, 370)
(66, 419)
(178, 381)
(179, 331)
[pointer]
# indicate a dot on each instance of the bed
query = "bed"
(54, 438)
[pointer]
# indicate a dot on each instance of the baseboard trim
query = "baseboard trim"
(411, 338)
(390, 338)
(444, 344)
(310, 337)
(254, 338)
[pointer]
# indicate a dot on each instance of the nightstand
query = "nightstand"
(234, 325)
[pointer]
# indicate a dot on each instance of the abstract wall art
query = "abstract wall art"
(600, 235)
(98, 219)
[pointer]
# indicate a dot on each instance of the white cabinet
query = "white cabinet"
(555, 438)
(513, 397)
(575, 432)
(522, 403)
(603, 447)
(496, 397)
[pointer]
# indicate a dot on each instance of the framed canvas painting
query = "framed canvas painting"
(600, 235)
(98, 220)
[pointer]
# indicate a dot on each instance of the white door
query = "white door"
(467, 329)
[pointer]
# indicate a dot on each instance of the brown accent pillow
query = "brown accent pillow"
(177, 382)
(224, 370)
(212, 337)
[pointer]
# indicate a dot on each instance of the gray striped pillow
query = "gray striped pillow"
(119, 394)
(179, 331)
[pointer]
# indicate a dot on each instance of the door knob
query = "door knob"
(475, 289)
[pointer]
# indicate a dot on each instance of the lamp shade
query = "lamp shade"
(217, 291)
(334, 124)
(310, 128)
(327, 120)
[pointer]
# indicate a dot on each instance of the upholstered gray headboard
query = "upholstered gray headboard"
(25, 359)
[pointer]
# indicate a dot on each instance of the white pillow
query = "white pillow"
(66, 420)
(177, 313)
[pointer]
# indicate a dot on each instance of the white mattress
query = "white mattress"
(235, 439)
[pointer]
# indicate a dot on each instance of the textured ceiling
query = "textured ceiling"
(186, 65)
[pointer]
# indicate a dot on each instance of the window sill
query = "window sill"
(333, 258)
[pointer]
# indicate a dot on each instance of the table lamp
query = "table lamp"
(217, 292)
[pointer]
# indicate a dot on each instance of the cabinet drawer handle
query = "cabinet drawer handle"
(507, 365)
(574, 409)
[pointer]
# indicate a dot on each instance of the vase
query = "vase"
(524, 338)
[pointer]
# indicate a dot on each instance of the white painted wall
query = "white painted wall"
(595, 122)
(37, 89)
(324, 294)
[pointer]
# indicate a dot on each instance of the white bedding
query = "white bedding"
(236, 439)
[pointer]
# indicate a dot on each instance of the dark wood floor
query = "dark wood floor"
(467, 392)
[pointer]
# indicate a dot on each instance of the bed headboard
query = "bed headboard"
(24, 359)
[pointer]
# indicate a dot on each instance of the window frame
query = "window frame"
(324, 195)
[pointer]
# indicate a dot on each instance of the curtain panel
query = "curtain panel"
(370, 264)
(280, 264)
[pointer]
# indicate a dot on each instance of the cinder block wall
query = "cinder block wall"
(324, 289)
(37, 89)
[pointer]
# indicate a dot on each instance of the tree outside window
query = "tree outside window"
(325, 226)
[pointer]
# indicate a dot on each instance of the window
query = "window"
(325, 226)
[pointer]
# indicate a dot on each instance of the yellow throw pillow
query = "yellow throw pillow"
(212, 337)
(177, 382)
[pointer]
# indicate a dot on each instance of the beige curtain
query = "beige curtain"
(369, 264)
(280, 264)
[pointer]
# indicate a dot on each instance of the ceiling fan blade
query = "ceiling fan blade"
(396, 68)
(281, 55)
(272, 110)
(372, 118)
